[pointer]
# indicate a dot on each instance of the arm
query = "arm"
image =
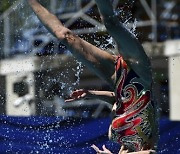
(106, 96)
(48, 19)
(130, 49)
(96, 59)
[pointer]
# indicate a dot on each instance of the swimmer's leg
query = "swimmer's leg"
(129, 47)
(99, 61)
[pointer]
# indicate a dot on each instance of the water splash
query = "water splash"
(78, 72)
(109, 42)
(126, 17)
(131, 26)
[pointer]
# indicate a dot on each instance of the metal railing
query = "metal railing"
(19, 25)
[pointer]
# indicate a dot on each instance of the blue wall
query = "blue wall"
(70, 136)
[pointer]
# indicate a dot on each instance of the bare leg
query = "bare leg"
(131, 50)
(96, 59)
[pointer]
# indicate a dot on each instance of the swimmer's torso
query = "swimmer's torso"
(134, 121)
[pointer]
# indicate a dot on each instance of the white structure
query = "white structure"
(23, 69)
(15, 105)
(172, 50)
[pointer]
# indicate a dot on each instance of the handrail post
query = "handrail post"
(154, 18)
(53, 4)
(6, 37)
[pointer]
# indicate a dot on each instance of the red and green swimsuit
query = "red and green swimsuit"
(134, 123)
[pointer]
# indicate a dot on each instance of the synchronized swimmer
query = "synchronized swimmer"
(129, 75)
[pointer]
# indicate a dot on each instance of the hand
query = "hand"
(122, 151)
(78, 94)
(104, 151)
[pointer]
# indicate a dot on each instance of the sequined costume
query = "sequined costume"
(134, 123)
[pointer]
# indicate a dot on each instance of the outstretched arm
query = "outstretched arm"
(106, 96)
(130, 49)
(96, 59)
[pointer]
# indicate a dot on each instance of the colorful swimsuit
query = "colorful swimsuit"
(134, 124)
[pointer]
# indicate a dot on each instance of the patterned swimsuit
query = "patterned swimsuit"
(134, 124)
